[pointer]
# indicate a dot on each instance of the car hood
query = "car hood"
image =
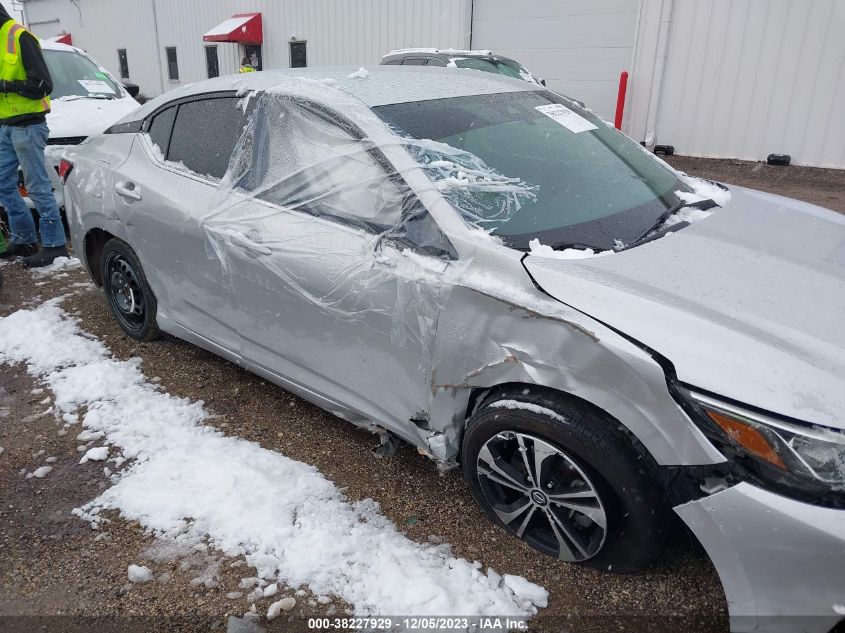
(748, 303)
(86, 117)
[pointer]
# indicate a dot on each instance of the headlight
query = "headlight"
(791, 454)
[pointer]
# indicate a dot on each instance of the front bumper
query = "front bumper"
(781, 562)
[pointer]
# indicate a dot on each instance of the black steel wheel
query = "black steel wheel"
(130, 299)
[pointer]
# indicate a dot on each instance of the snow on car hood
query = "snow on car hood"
(747, 303)
(86, 117)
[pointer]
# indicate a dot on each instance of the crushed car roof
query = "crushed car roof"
(381, 85)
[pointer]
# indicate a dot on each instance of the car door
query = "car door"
(334, 297)
(162, 191)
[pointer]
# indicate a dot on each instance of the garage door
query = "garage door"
(578, 46)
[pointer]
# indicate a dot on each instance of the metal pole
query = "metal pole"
(158, 46)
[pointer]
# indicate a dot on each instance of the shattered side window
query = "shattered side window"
(300, 159)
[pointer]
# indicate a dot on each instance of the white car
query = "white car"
(86, 99)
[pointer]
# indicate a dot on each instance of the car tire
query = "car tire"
(613, 516)
(128, 294)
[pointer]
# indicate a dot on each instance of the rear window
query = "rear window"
(75, 75)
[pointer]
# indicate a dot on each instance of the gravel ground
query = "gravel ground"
(54, 566)
(824, 187)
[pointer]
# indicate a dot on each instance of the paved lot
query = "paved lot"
(54, 564)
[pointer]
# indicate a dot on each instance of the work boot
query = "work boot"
(45, 256)
(16, 249)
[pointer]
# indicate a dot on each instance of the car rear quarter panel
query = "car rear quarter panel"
(89, 188)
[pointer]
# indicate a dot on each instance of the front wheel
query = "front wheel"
(130, 298)
(559, 475)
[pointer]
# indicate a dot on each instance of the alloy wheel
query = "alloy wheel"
(542, 496)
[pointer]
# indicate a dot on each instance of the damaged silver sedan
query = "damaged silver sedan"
(487, 270)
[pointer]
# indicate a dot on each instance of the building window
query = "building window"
(297, 55)
(123, 62)
(253, 56)
(211, 62)
(172, 63)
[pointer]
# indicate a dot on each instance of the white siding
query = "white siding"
(746, 78)
(578, 46)
(338, 32)
(101, 27)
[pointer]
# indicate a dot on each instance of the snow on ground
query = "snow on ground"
(139, 573)
(61, 264)
(190, 484)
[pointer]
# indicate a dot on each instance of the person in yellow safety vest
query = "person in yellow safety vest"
(25, 85)
(246, 66)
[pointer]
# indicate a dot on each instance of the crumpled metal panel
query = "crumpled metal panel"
(351, 266)
(747, 304)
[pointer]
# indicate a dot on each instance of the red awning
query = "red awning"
(243, 28)
(63, 38)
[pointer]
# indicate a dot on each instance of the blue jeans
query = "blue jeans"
(24, 146)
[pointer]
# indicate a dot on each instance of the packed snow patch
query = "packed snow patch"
(97, 454)
(60, 264)
(285, 604)
(527, 406)
(139, 573)
(361, 73)
(542, 250)
(40, 473)
(190, 483)
(703, 190)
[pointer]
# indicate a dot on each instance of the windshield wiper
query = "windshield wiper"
(75, 97)
(668, 213)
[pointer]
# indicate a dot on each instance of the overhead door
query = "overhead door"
(578, 46)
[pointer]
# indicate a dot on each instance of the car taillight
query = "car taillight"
(65, 167)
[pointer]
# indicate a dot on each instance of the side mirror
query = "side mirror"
(133, 89)
(542, 82)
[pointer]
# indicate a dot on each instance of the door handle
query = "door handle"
(239, 239)
(127, 190)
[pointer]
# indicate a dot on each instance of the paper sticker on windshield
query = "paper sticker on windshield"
(96, 86)
(572, 121)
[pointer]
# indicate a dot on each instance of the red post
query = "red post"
(620, 99)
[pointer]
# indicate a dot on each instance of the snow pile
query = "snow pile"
(839, 609)
(361, 73)
(190, 483)
(542, 250)
(702, 190)
(40, 473)
(60, 264)
(285, 604)
(98, 454)
(139, 573)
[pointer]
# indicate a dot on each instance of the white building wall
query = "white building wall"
(101, 27)
(338, 32)
(743, 79)
(579, 47)
(718, 78)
